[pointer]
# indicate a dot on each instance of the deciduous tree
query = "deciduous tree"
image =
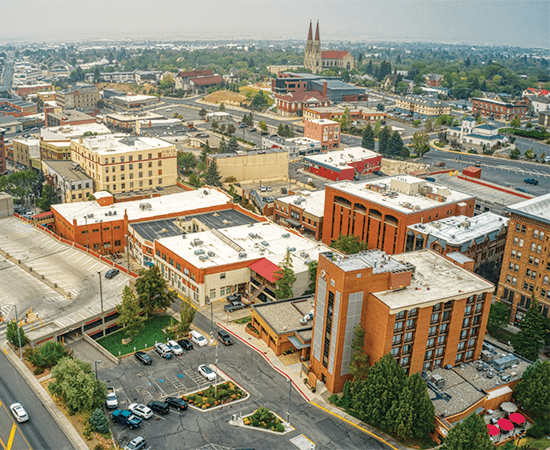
(531, 336)
(419, 142)
(49, 198)
(153, 291)
(187, 314)
(499, 317)
(533, 390)
(348, 244)
(516, 122)
(129, 313)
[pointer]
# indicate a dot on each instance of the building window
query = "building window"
(398, 326)
(408, 336)
(400, 315)
(469, 354)
(428, 355)
(461, 346)
(463, 334)
(465, 322)
(471, 343)
(406, 349)
(443, 328)
(397, 339)
(435, 317)
(395, 351)
(405, 360)
(410, 323)
(432, 331)
(222, 276)
(430, 343)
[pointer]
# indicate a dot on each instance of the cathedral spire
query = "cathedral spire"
(317, 32)
(310, 34)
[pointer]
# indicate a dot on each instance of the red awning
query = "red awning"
(517, 418)
(265, 268)
(505, 424)
(493, 431)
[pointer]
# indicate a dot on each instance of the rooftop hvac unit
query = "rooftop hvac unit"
(291, 249)
(251, 235)
(90, 216)
(197, 241)
(242, 255)
(145, 206)
(203, 258)
(304, 254)
(285, 235)
(205, 192)
(211, 254)
(265, 243)
(199, 252)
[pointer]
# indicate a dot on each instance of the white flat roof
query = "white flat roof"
(537, 208)
(262, 240)
(462, 229)
(322, 121)
(436, 279)
(29, 141)
(388, 196)
(112, 144)
(72, 131)
(312, 202)
(134, 98)
(129, 116)
(183, 202)
(342, 158)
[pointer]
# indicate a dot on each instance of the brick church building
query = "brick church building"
(318, 60)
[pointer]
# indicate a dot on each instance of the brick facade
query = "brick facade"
(325, 131)
(499, 110)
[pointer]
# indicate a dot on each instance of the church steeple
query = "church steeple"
(317, 32)
(310, 34)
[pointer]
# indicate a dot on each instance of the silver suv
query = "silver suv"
(163, 350)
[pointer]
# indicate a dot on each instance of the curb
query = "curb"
(47, 401)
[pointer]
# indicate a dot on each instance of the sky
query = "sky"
(481, 22)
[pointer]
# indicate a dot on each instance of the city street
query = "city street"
(41, 432)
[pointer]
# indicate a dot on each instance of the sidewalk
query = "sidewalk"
(293, 372)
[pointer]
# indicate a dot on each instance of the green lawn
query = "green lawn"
(151, 333)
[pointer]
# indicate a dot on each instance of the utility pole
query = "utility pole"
(289, 381)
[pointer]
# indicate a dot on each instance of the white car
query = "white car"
(198, 338)
(141, 410)
(19, 412)
(207, 372)
(175, 347)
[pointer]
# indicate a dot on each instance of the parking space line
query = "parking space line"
(12, 435)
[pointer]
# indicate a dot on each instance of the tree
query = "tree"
(514, 153)
(429, 124)
(49, 197)
(531, 336)
(15, 333)
(97, 74)
(129, 313)
(281, 130)
(205, 151)
(285, 278)
(19, 184)
(194, 180)
(395, 144)
(383, 140)
(212, 176)
(215, 125)
(222, 107)
(233, 145)
(202, 113)
(231, 128)
(419, 142)
(423, 408)
(75, 384)
(359, 360)
(377, 127)
(368, 138)
(499, 317)
(312, 268)
(259, 101)
(222, 128)
(533, 390)
(187, 314)
(51, 353)
(529, 153)
(516, 122)
(222, 148)
(348, 244)
(99, 421)
(286, 130)
(262, 125)
(470, 434)
(186, 161)
(153, 292)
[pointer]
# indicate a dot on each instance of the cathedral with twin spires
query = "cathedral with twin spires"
(318, 60)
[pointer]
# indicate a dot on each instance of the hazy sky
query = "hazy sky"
(523, 23)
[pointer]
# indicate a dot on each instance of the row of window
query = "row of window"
(537, 234)
(130, 158)
(123, 185)
(140, 175)
(534, 246)
(131, 166)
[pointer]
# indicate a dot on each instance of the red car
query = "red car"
(440, 164)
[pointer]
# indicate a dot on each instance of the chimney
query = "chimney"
(310, 34)
(324, 88)
(317, 32)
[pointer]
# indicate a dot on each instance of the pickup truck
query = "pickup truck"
(234, 306)
(112, 401)
(531, 181)
(126, 418)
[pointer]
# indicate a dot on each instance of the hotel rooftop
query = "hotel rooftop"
(109, 145)
(404, 193)
(311, 202)
(342, 158)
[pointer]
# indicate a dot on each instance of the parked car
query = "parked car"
(207, 372)
(253, 129)
(185, 344)
(112, 400)
(141, 410)
(163, 350)
(440, 164)
(532, 181)
(126, 418)
(159, 407)
(202, 135)
(143, 358)
(234, 297)
(234, 306)
(377, 172)
(19, 412)
(198, 338)
(111, 273)
(176, 349)
(477, 164)
(264, 133)
(136, 444)
(177, 403)
(224, 337)
(263, 188)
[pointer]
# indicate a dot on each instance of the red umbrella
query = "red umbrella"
(493, 431)
(517, 418)
(505, 424)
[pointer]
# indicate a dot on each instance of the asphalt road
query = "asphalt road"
(267, 387)
(41, 432)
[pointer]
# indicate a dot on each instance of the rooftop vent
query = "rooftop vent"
(199, 252)
(242, 255)
(285, 235)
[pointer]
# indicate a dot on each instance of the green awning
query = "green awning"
(297, 343)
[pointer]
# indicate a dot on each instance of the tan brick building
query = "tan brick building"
(424, 309)
(82, 97)
(526, 263)
(69, 180)
(125, 164)
(25, 152)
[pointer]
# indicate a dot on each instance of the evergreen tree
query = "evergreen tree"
(368, 138)
(533, 390)
(205, 151)
(470, 434)
(233, 146)
(423, 409)
(359, 360)
(383, 140)
(231, 129)
(153, 292)
(286, 131)
(222, 107)
(202, 113)
(281, 130)
(377, 127)
(49, 198)
(531, 336)
(285, 278)
(370, 68)
(395, 144)
(15, 333)
(222, 147)
(312, 268)
(187, 314)
(212, 176)
(128, 313)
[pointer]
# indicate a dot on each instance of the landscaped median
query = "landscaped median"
(263, 420)
(215, 397)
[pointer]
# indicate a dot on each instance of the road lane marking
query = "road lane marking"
(12, 435)
(2, 444)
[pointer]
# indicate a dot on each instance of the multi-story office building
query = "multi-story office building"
(526, 265)
(82, 97)
(422, 107)
(324, 130)
(26, 153)
(55, 142)
(346, 164)
(500, 109)
(302, 211)
(125, 164)
(69, 180)
(424, 309)
(379, 211)
(72, 117)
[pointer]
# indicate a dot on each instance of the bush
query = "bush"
(99, 447)
(279, 427)
(99, 421)
(539, 429)
(87, 432)
(38, 371)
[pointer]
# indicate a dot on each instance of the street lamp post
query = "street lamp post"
(209, 302)
(95, 364)
(216, 366)
(101, 298)
(18, 332)
(289, 381)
